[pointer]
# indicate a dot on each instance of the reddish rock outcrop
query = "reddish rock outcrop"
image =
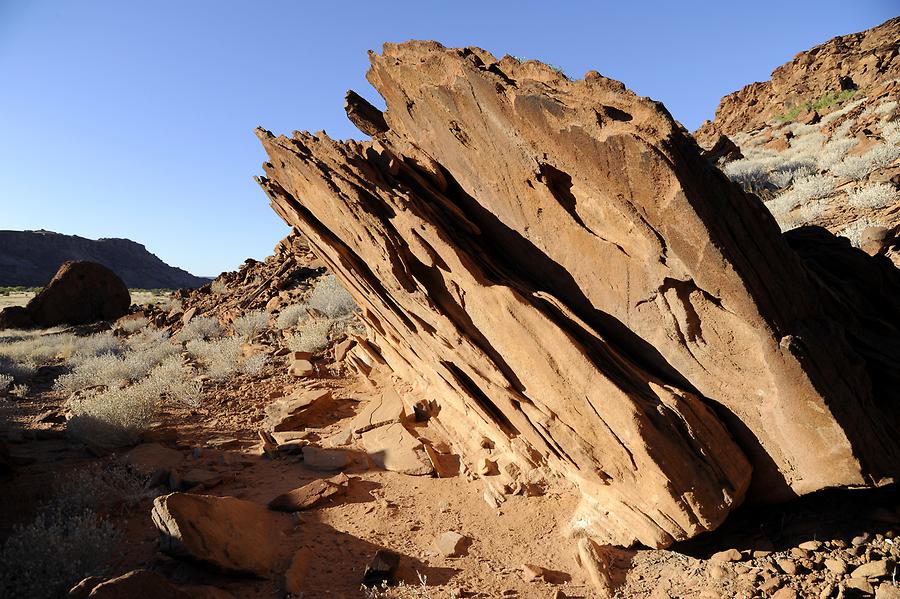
(554, 264)
(79, 293)
(845, 62)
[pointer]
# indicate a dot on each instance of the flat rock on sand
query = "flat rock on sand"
(392, 447)
(310, 494)
(229, 533)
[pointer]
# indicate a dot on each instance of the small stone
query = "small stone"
(876, 569)
(810, 545)
(487, 467)
(785, 593)
(301, 368)
(394, 448)
(836, 565)
(728, 555)
(150, 457)
(310, 495)
(887, 590)
(295, 575)
(530, 572)
(860, 540)
(341, 349)
(716, 572)
(452, 544)
(788, 566)
(860, 584)
(798, 553)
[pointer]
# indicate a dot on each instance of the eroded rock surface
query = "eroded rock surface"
(556, 266)
(228, 533)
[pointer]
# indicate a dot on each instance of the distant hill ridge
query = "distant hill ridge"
(31, 258)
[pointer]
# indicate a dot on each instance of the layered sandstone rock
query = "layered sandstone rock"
(554, 264)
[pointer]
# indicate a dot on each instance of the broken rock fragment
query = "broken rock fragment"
(394, 448)
(310, 494)
(228, 533)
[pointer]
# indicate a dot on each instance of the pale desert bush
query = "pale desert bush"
(858, 167)
(878, 195)
(835, 150)
(46, 557)
(113, 370)
(112, 417)
(886, 107)
(224, 357)
(330, 298)
(6, 382)
(172, 304)
(133, 325)
(101, 488)
(290, 316)
(200, 327)
(218, 287)
(803, 190)
(854, 230)
(251, 323)
(891, 132)
(311, 335)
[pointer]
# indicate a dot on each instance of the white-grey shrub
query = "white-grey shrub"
(200, 327)
(132, 325)
(251, 323)
(330, 298)
(811, 211)
(814, 187)
(891, 132)
(877, 195)
(290, 316)
(112, 417)
(6, 382)
(886, 107)
(224, 357)
(835, 150)
(45, 558)
(858, 167)
(747, 172)
(854, 230)
(253, 364)
(218, 287)
(311, 335)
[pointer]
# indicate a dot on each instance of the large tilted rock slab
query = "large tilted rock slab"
(555, 264)
(229, 533)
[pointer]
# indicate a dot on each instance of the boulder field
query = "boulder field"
(556, 267)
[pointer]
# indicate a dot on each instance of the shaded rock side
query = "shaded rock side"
(229, 533)
(79, 293)
(557, 266)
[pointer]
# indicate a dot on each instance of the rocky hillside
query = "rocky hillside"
(30, 258)
(820, 142)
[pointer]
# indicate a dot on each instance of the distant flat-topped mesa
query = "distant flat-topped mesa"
(555, 266)
(30, 258)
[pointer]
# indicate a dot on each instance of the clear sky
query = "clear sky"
(123, 118)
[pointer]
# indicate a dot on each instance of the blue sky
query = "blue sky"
(135, 119)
